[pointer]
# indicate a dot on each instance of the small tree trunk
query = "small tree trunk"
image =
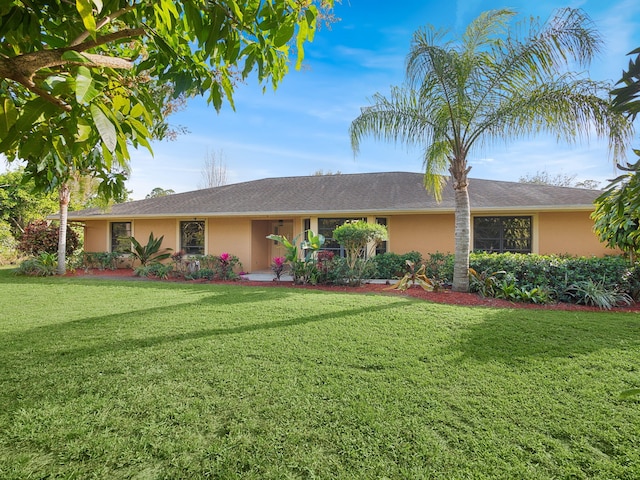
(64, 198)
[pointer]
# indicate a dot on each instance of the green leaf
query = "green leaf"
(106, 129)
(8, 116)
(85, 90)
(86, 13)
(138, 110)
(284, 33)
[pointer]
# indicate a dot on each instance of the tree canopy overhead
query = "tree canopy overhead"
(95, 72)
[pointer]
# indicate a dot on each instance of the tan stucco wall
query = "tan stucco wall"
(230, 235)
(558, 232)
(425, 234)
(96, 236)
(569, 232)
(159, 227)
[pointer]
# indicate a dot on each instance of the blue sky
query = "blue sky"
(303, 126)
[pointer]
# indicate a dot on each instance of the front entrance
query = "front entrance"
(284, 228)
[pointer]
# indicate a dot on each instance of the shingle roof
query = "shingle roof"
(399, 192)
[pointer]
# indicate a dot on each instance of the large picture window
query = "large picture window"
(121, 237)
(502, 234)
(192, 237)
(326, 226)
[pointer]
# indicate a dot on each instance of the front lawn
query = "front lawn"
(134, 379)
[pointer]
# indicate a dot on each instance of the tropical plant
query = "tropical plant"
(225, 266)
(159, 270)
(303, 270)
(149, 253)
(41, 266)
(495, 83)
(290, 246)
(485, 283)
(590, 292)
(413, 277)
(617, 213)
(277, 266)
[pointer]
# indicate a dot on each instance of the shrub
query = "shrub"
(100, 260)
(42, 236)
(43, 265)
(214, 267)
(158, 270)
(553, 272)
(597, 294)
(392, 265)
(439, 268)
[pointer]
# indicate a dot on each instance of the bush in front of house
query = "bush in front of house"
(390, 265)
(214, 267)
(41, 236)
(582, 280)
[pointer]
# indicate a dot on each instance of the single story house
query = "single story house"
(505, 216)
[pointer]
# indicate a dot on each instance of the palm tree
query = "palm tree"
(494, 83)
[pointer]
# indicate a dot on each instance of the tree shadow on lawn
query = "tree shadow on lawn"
(510, 335)
(39, 338)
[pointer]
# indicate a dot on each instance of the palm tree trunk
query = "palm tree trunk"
(462, 239)
(64, 198)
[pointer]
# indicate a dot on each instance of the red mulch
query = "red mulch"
(446, 296)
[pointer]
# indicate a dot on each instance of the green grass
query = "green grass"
(146, 380)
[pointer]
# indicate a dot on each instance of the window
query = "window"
(120, 237)
(192, 237)
(382, 246)
(502, 234)
(326, 226)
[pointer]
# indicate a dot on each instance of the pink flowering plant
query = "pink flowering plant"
(277, 265)
(225, 266)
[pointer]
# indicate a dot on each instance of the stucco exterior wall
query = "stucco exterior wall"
(553, 233)
(159, 227)
(96, 236)
(569, 232)
(423, 233)
(230, 235)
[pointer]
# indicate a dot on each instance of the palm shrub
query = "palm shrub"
(149, 253)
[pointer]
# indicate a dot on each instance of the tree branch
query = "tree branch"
(101, 23)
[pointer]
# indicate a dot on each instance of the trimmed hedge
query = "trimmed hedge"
(554, 272)
(527, 271)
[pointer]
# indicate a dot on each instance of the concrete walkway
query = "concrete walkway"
(269, 277)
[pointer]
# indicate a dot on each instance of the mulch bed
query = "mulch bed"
(446, 296)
